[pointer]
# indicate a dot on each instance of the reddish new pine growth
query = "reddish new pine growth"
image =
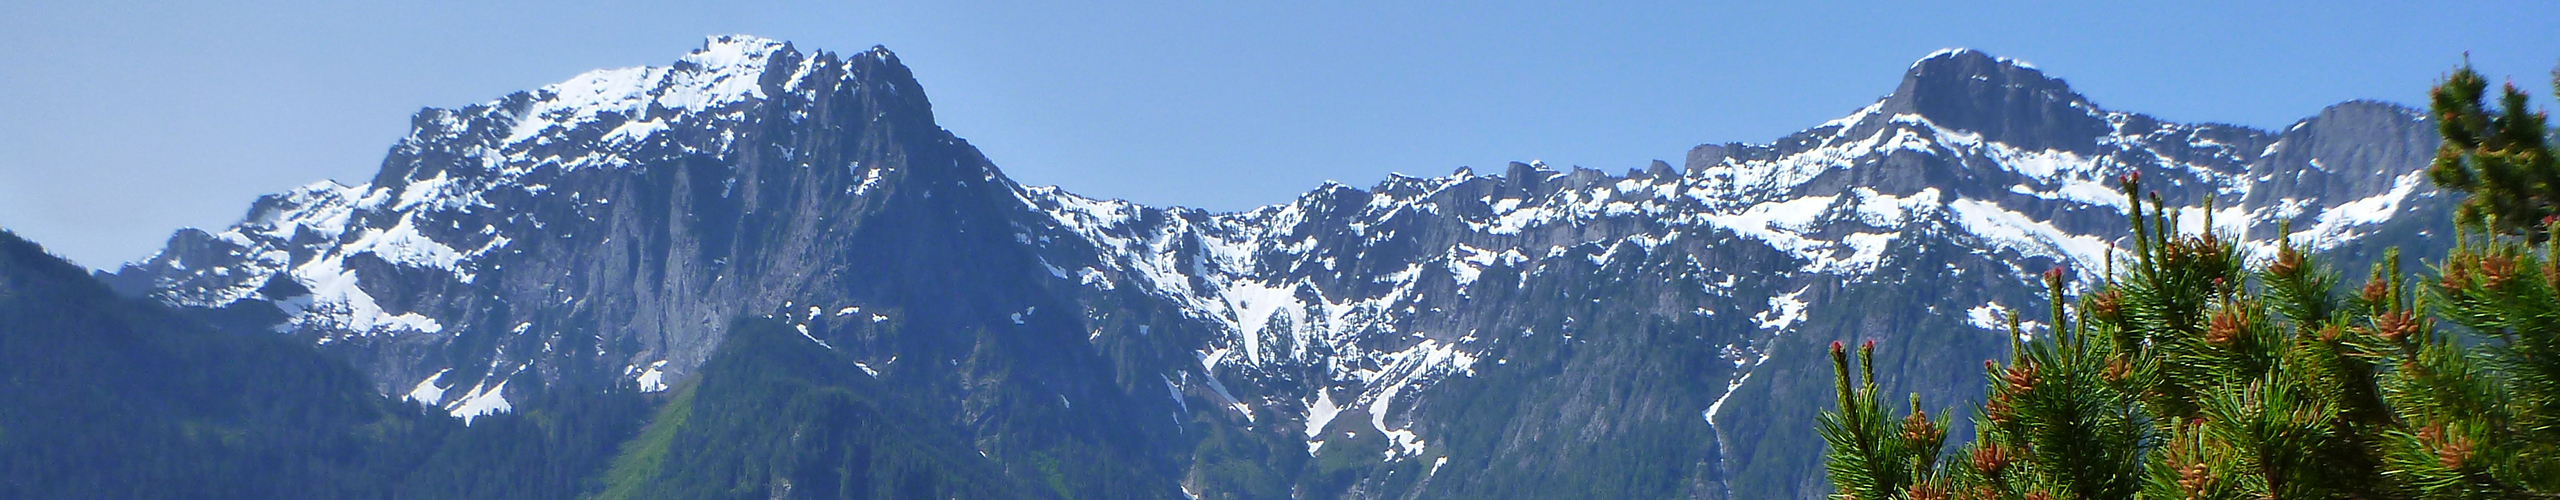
(1997, 409)
(2455, 452)
(2452, 450)
(2193, 479)
(2456, 275)
(2288, 262)
(1917, 428)
(2396, 325)
(2108, 306)
(1990, 459)
(2224, 328)
(2021, 377)
(2550, 276)
(2496, 270)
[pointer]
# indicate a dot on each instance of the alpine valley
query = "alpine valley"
(764, 272)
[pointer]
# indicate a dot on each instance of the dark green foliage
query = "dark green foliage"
(643, 457)
(110, 398)
(1875, 455)
(1235, 463)
(2184, 376)
(2497, 156)
(550, 447)
(774, 416)
(2483, 413)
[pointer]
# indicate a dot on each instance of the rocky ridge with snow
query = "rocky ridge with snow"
(1527, 334)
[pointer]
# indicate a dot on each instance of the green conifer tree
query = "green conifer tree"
(2185, 375)
(2500, 158)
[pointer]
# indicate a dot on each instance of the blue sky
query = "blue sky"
(123, 121)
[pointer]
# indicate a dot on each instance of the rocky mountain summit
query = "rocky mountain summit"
(1529, 333)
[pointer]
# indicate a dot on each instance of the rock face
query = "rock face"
(1535, 334)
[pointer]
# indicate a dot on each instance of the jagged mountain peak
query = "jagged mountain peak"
(723, 149)
(705, 105)
(1960, 67)
(1967, 60)
(2003, 99)
(730, 79)
(720, 50)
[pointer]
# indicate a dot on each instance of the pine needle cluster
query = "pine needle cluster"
(2187, 374)
(2501, 158)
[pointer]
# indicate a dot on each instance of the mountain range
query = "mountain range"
(763, 272)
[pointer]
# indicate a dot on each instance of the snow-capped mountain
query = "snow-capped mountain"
(1531, 334)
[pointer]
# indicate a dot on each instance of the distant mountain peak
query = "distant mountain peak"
(738, 45)
(694, 105)
(1969, 55)
(2004, 99)
(727, 69)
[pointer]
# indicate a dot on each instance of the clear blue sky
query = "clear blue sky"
(122, 121)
